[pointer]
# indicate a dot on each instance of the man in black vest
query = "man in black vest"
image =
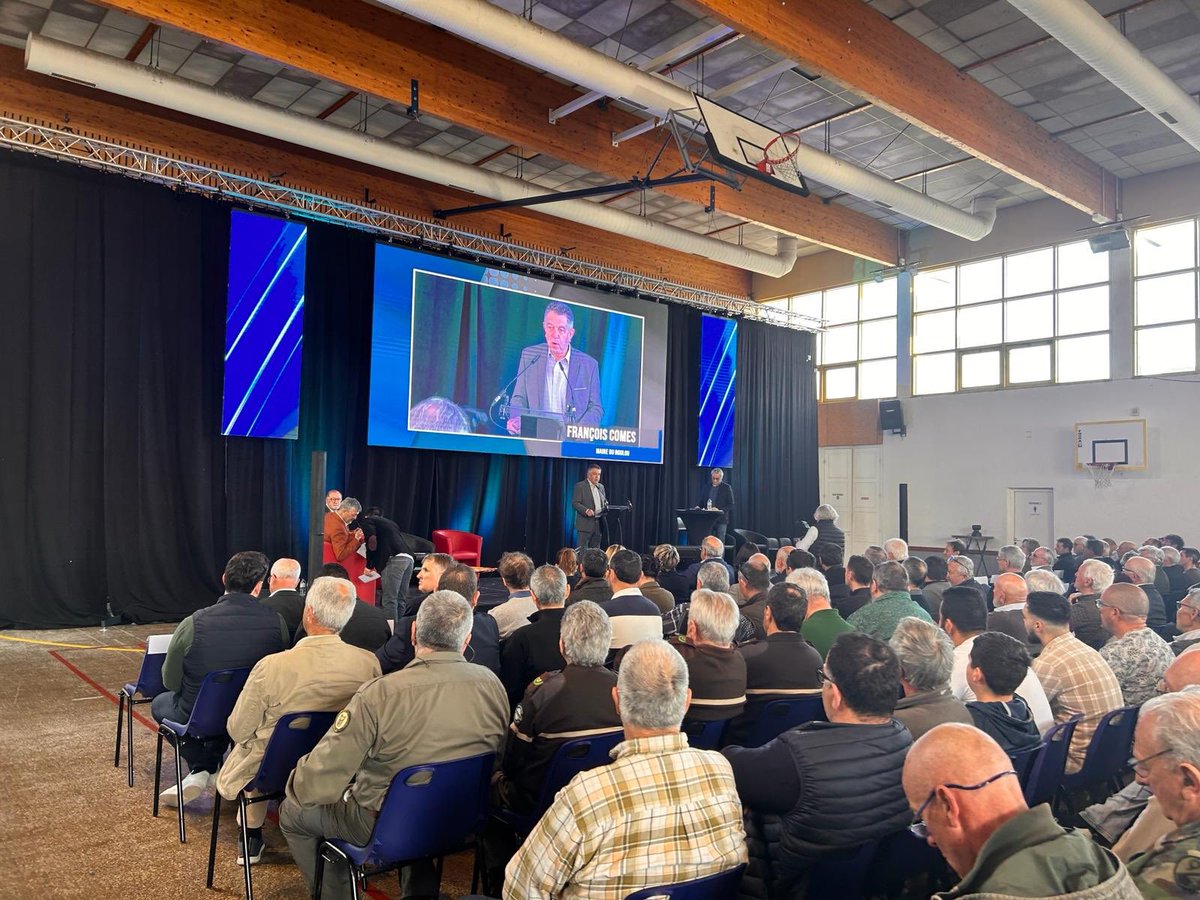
(827, 786)
(235, 632)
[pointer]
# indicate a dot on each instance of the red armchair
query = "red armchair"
(462, 545)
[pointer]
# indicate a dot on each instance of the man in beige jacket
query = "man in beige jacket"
(319, 674)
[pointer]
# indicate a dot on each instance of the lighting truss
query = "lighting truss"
(62, 144)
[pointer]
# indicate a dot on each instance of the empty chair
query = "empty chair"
(1046, 771)
(753, 537)
(462, 545)
(1107, 755)
(429, 811)
(711, 887)
(295, 735)
(779, 716)
(214, 702)
(146, 688)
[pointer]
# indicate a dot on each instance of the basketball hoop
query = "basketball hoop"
(1101, 473)
(779, 159)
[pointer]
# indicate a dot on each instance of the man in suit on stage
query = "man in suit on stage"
(555, 380)
(589, 500)
(720, 496)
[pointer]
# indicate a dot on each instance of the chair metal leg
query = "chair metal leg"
(120, 717)
(319, 874)
(129, 739)
(179, 792)
(355, 875)
(476, 869)
(157, 771)
(242, 807)
(212, 843)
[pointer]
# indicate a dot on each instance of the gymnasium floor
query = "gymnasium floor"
(69, 824)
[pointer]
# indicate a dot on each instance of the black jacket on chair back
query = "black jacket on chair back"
(235, 632)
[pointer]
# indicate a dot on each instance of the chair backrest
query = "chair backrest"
(433, 808)
(295, 735)
(712, 887)
(779, 716)
(149, 681)
(1023, 760)
(571, 758)
(215, 701)
(1047, 769)
(446, 540)
(841, 873)
(704, 735)
(1108, 753)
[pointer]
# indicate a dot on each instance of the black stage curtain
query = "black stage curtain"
(119, 489)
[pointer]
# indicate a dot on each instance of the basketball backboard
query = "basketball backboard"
(742, 144)
(1121, 442)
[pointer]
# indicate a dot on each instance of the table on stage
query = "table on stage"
(698, 522)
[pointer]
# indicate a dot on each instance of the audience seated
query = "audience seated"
(1173, 570)
(321, 673)
(825, 531)
(1189, 561)
(368, 626)
(669, 576)
(822, 623)
(935, 583)
(534, 649)
(968, 800)
(1141, 572)
(711, 548)
(235, 632)
(1009, 593)
(1065, 561)
(1042, 558)
(593, 583)
(896, 549)
(661, 812)
(1136, 655)
(826, 786)
(428, 576)
(515, 571)
(960, 572)
(1076, 679)
(573, 702)
(917, 570)
(1168, 761)
(875, 554)
(716, 670)
(711, 577)
(859, 573)
(926, 656)
(651, 589)
(633, 616)
(1044, 580)
(754, 579)
(890, 602)
(567, 560)
(437, 709)
(1154, 554)
(484, 649)
(780, 571)
(953, 548)
(610, 550)
(998, 664)
(1187, 620)
(782, 666)
(283, 597)
(829, 561)
(1092, 577)
(800, 559)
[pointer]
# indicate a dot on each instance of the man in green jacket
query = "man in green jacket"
(968, 803)
(890, 602)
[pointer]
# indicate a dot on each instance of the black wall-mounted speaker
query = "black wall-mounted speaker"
(891, 416)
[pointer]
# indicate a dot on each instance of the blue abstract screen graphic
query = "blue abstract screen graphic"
(718, 390)
(264, 326)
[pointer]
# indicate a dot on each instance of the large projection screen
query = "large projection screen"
(468, 357)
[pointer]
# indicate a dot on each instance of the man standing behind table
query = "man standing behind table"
(589, 500)
(554, 378)
(720, 497)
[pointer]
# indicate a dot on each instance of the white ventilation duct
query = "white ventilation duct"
(1089, 36)
(50, 57)
(490, 26)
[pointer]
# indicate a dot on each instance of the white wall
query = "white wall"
(964, 450)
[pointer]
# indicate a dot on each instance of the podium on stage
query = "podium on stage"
(614, 514)
(698, 522)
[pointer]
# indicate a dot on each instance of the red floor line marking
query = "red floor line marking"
(102, 690)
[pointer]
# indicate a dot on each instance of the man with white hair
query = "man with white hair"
(321, 673)
(1173, 570)
(716, 671)
(711, 549)
(896, 549)
(1166, 749)
(437, 708)
(660, 813)
(960, 572)
(1042, 558)
(1009, 558)
(825, 531)
(1161, 582)
(926, 657)
(711, 577)
(1092, 578)
(1044, 580)
(1141, 572)
(1187, 620)
(781, 566)
(822, 623)
(284, 598)
(1137, 656)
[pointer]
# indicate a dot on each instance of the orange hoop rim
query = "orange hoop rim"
(781, 140)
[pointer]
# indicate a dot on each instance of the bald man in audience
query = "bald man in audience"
(969, 804)
(1141, 572)
(1009, 594)
(1137, 656)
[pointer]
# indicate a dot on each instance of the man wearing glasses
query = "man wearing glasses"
(1187, 620)
(1166, 749)
(969, 804)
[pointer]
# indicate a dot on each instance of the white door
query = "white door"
(1031, 515)
(850, 484)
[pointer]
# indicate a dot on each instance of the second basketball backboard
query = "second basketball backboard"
(1119, 442)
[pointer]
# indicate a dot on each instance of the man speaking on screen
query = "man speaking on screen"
(555, 380)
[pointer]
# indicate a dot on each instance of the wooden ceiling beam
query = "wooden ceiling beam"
(859, 47)
(54, 102)
(369, 49)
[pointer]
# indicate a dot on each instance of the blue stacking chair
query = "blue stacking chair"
(779, 716)
(704, 735)
(295, 735)
(145, 689)
(841, 874)
(214, 702)
(1107, 754)
(712, 887)
(429, 811)
(901, 856)
(571, 758)
(1046, 771)
(1023, 760)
